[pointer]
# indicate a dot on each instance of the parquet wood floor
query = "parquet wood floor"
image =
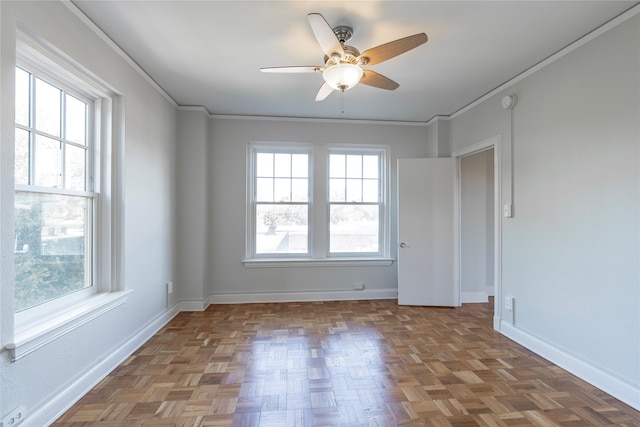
(351, 363)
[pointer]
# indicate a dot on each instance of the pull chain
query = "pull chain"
(341, 103)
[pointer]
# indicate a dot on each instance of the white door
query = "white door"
(427, 253)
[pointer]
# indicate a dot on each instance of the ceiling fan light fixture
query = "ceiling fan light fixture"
(343, 76)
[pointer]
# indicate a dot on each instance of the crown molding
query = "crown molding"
(550, 59)
(614, 22)
(319, 120)
(101, 34)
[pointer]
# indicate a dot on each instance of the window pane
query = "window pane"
(282, 229)
(74, 159)
(76, 117)
(337, 190)
(22, 157)
(47, 108)
(370, 167)
(299, 190)
(337, 166)
(353, 228)
(47, 162)
(300, 165)
(264, 164)
(370, 190)
(282, 191)
(283, 165)
(52, 251)
(264, 190)
(354, 190)
(354, 166)
(22, 97)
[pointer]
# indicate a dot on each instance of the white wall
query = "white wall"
(228, 147)
(50, 378)
(571, 251)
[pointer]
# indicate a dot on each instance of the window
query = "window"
(281, 208)
(54, 201)
(67, 173)
(316, 203)
(354, 203)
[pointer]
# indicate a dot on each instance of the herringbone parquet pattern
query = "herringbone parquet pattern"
(355, 363)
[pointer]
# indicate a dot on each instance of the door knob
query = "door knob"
(404, 245)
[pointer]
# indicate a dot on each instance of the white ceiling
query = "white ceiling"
(208, 53)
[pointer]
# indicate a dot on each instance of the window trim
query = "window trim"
(106, 157)
(319, 254)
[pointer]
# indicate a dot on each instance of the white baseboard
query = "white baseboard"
(198, 305)
(471, 297)
(61, 402)
(606, 382)
(491, 291)
(365, 294)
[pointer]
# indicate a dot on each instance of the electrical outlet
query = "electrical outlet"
(169, 287)
(14, 417)
(508, 303)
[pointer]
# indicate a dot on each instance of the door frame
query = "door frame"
(487, 144)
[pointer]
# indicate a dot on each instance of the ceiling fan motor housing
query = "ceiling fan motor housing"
(350, 56)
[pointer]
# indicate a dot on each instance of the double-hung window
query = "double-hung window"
(281, 202)
(54, 197)
(66, 151)
(316, 202)
(355, 202)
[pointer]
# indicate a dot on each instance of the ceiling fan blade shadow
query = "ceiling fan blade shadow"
(327, 39)
(324, 91)
(294, 69)
(371, 78)
(381, 53)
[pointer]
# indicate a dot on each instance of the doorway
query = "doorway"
(479, 222)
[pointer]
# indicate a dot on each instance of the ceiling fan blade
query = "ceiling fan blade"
(381, 53)
(327, 39)
(324, 91)
(295, 69)
(371, 78)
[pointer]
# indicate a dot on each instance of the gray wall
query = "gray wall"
(47, 376)
(476, 227)
(570, 253)
(227, 161)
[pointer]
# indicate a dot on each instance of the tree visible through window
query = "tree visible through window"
(54, 203)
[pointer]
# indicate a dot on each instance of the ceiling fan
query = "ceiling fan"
(343, 64)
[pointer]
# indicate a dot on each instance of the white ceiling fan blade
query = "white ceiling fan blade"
(295, 69)
(327, 39)
(324, 91)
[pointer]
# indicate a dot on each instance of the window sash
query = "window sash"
(66, 144)
(280, 221)
(67, 186)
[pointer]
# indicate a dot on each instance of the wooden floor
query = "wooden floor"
(355, 363)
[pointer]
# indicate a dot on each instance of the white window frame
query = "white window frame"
(319, 254)
(252, 203)
(37, 326)
(382, 201)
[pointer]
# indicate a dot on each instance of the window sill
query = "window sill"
(32, 335)
(324, 262)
